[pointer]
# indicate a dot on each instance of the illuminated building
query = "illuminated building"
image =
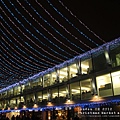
(92, 76)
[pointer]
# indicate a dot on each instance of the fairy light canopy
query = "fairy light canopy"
(38, 35)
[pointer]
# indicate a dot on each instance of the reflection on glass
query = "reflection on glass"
(86, 88)
(116, 82)
(104, 85)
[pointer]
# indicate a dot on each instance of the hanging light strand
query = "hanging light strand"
(54, 28)
(34, 37)
(39, 33)
(81, 22)
(26, 49)
(72, 24)
(14, 56)
(32, 42)
(26, 53)
(62, 26)
(46, 29)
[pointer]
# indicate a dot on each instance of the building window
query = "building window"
(63, 75)
(116, 82)
(46, 79)
(104, 85)
(99, 61)
(63, 93)
(86, 66)
(54, 78)
(86, 88)
(75, 91)
(73, 70)
(115, 56)
(45, 97)
(39, 99)
(55, 95)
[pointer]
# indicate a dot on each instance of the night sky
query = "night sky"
(37, 35)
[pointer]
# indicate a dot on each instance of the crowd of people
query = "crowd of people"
(18, 117)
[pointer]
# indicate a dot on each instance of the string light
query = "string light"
(26, 49)
(46, 29)
(82, 105)
(34, 42)
(18, 58)
(62, 26)
(39, 33)
(53, 27)
(26, 42)
(72, 24)
(40, 62)
(81, 22)
(115, 43)
(25, 57)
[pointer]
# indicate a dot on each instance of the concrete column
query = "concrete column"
(68, 71)
(78, 64)
(94, 85)
(106, 49)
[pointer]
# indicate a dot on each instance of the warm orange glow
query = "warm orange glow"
(15, 108)
(35, 106)
(69, 102)
(49, 104)
(24, 107)
(8, 108)
(96, 98)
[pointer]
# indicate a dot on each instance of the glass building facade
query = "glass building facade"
(94, 73)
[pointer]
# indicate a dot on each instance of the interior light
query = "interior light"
(96, 98)
(8, 108)
(49, 104)
(24, 107)
(35, 106)
(15, 108)
(68, 101)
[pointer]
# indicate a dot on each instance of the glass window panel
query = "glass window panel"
(99, 61)
(86, 88)
(63, 74)
(104, 85)
(45, 97)
(30, 98)
(62, 93)
(115, 56)
(55, 95)
(39, 94)
(116, 82)
(53, 78)
(75, 91)
(17, 90)
(73, 70)
(46, 79)
(86, 66)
